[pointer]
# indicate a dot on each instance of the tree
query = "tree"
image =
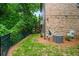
(13, 13)
(27, 11)
(17, 18)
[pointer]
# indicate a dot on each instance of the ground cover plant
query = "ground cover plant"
(3, 30)
(30, 47)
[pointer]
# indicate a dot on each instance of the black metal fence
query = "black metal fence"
(4, 44)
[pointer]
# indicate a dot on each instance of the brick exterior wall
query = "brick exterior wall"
(61, 18)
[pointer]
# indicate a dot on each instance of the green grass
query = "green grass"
(30, 47)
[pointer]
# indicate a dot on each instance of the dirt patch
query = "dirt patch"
(65, 43)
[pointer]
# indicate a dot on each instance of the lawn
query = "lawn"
(31, 47)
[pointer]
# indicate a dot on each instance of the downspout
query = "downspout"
(41, 18)
(42, 10)
(44, 21)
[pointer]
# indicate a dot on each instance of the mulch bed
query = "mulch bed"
(65, 43)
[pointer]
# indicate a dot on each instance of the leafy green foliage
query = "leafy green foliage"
(9, 17)
(72, 51)
(68, 38)
(16, 34)
(3, 30)
(18, 17)
(12, 13)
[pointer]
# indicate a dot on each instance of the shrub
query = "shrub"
(68, 38)
(3, 30)
(16, 32)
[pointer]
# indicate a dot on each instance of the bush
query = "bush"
(15, 37)
(3, 30)
(16, 32)
(68, 38)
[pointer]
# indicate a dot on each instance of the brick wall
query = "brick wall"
(60, 18)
